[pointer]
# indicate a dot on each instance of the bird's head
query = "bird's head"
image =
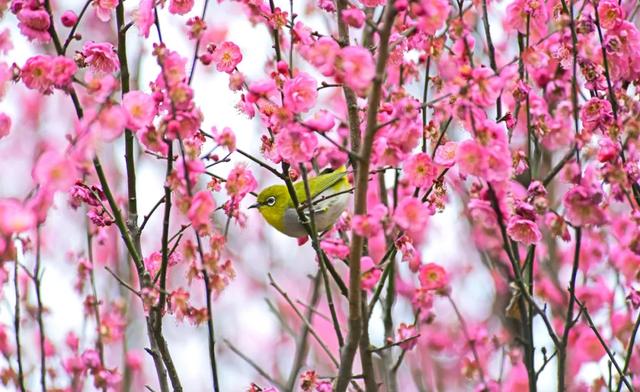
(272, 203)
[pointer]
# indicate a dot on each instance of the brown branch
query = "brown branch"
(16, 327)
(37, 284)
(568, 322)
(360, 205)
(391, 345)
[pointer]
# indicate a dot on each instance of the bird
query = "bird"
(276, 205)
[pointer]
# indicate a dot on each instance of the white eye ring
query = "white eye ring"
(271, 201)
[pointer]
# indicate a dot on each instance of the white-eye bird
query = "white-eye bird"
(277, 207)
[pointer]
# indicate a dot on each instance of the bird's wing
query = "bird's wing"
(321, 183)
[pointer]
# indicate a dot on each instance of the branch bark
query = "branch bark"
(360, 205)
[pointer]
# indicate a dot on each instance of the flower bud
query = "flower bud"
(206, 58)
(69, 18)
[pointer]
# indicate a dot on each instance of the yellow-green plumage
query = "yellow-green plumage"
(277, 207)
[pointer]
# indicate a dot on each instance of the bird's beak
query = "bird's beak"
(256, 205)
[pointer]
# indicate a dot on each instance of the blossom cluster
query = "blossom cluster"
(512, 135)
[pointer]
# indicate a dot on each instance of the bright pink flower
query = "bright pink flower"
(587, 347)
(140, 109)
(335, 247)
(5, 41)
(634, 298)
(300, 93)
(596, 114)
(322, 121)
(582, 204)
(104, 8)
(519, 11)
(62, 70)
(34, 24)
(202, 206)
(108, 379)
(72, 341)
(517, 380)
(225, 138)
(484, 86)
(369, 225)
(308, 381)
(446, 154)
(110, 122)
(355, 68)
(55, 171)
(433, 277)
(608, 150)
(15, 217)
(610, 13)
(419, 170)
(152, 140)
(99, 86)
(153, 262)
(143, 17)
(354, 17)
(36, 74)
(372, 3)
(407, 334)
(179, 303)
(411, 214)
(112, 325)
(134, 360)
(523, 230)
(240, 181)
(101, 56)
(422, 299)
(91, 358)
(5, 125)
(469, 157)
(371, 274)
(322, 54)
(296, 144)
(432, 14)
(180, 7)
(227, 56)
(68, 18)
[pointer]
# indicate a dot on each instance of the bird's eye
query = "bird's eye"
(271, 201)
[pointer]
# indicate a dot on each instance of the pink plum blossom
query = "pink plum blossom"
(296, 144)
(202, 206)
(55, 171)
(15, 217)
(180, 7)
(433, 277)
(240, 181)
(354, 67)
(523, 230)
(104, 9)
(101, 56)
(300, 93)
(140, 109)
(411, 214)
(34, 24)
(5, 125)
(420, 170)
(227, 56)
(143, 17)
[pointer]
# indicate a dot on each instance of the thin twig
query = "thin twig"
(621, 372)
(122, 282)
(303, 319)
(255, 366)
